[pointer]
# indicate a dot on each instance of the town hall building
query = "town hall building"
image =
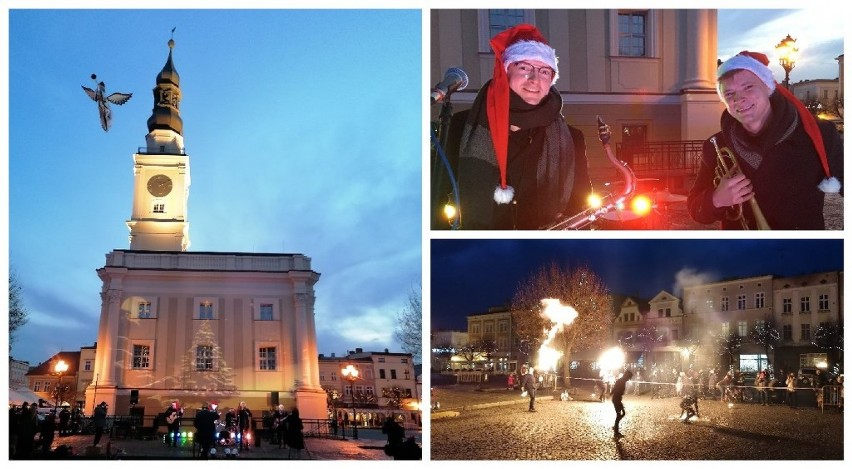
(200, 327)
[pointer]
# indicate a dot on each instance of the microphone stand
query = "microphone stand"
(439, 143)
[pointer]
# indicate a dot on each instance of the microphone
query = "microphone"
(454, 80)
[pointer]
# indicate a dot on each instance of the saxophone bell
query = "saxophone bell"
(600, 206)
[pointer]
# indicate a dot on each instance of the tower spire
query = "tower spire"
(166, 112)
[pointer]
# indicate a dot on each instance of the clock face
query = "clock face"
(159, 185)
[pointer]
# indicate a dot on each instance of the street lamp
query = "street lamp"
(350, 373)
(60, 368)
(787, 55)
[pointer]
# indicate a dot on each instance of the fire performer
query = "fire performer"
(617, 393)
(529, 384)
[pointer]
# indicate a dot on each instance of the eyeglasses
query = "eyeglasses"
(544, 72)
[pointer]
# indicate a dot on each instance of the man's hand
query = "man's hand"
(732, 191)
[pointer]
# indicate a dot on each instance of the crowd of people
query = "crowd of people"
(32, 433)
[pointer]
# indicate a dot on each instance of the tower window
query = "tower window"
(160, 208)
(205, 310)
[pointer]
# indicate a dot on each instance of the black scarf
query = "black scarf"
(540, 166)
(753, 148)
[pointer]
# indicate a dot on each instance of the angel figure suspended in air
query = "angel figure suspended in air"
(99, 96)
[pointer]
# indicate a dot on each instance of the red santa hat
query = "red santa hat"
(521, 42)
(758, 64)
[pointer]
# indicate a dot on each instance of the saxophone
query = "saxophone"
(610, 202)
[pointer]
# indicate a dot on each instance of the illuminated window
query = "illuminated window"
(205, 310)
(141, 357)
(143, 310)
(742, 328)
(267, 358)
(204, 357)
(726, 328)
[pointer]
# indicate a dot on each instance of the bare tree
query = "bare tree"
(829, 337)
(409, 325)
(766, 333)
(728, 345)
(580, 288)
(17, 310)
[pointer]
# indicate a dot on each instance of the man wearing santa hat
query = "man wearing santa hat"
(519, 165)
(788, 160)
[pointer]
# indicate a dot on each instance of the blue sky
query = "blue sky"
(818, 35)
(304, 134)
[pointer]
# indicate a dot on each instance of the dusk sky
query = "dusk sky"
(469, 276)
(819, 38)
(303, 130)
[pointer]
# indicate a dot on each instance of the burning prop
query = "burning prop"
(560, 315)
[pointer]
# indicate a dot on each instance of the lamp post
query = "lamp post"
(350, 373)
(60, 368)
(787, 55)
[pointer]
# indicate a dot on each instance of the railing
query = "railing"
(144, 151)
(653, 157)
(830, 397)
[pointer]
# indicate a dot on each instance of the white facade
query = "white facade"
(206, 326)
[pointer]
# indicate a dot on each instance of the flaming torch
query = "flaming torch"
(561, 316)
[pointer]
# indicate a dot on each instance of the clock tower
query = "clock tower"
(158, 221)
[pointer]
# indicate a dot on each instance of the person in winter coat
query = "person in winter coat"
(519, 165)
(789, 161)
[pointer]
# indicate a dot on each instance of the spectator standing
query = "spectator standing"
(791, 391)
(99, 419)
(48, 431)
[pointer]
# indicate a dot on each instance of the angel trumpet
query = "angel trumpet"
(727, 166)
(610, 202)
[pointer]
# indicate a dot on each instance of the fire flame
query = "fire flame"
(561, 316)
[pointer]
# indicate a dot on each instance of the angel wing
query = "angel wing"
(92, 94)
(119, 98)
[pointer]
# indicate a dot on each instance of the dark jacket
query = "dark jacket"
(785, 183)
(525, 218)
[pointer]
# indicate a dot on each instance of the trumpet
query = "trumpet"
(610, 202)
(727, 166)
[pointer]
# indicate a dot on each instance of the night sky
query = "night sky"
(469, 276)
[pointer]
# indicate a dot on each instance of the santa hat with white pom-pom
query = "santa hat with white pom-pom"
(522, 42)
(758, 64)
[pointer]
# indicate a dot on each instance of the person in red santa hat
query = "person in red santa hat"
(519, 165)
(788, 159)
